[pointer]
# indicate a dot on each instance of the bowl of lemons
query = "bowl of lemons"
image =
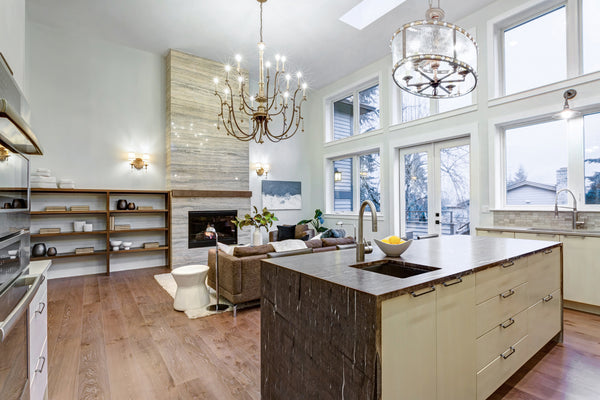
(393, 246)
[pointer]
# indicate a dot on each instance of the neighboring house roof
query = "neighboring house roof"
(516, 185)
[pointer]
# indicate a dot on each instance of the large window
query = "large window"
(591, 138)
(356, 113)
(417, 107)
(536, 163)
(356, 178)
(535, 52)
(590, 35)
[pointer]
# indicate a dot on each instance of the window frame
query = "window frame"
(354, 92)
(355, 182)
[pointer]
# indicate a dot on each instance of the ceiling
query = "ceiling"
(308, 32)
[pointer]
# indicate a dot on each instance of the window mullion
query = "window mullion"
(574, 39)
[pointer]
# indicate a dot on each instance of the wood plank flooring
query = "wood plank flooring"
(118, 338)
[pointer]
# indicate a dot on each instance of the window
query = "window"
(591, 139)
(356, 113)
(590, 36)
(536, 163)
(416, 107)
(535, 52)
(356, 178)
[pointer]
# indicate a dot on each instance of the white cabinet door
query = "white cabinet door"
(456, 350)
(537, 236)
(408, 346)
(581, 269)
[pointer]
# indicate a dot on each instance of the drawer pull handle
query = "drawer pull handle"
(548, 298)
(414, 294)
(508, 352)
(456, 282)
(508, 323)
(40, 369)
(507, 294)
(547, 251)
(41, 308)
(508, 264)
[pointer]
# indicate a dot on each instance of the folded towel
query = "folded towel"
(66, 185)
(43, 179)
(42, 172)
(41, 185)
(66, 181)
(289, 244)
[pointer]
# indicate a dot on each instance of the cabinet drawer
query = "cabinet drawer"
(500, 338)
(543, 274)
(501, 307)
(496, 280)
(39, 375)
(38, 317)
(544, 320)
(504, 365)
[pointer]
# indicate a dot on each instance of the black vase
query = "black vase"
(122, 204)
(51, 251)
(131, 206)
(38, 250)
(19, 203)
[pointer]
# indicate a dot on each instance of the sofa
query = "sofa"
(239, 273)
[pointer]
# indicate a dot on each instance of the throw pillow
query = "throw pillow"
(326, 234)
(285, 232)
(226, 248)
(338, 233)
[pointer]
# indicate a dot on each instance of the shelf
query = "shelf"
(141, 230)
(157, 211)
(39, 235)
(68, 255)
(67, 212)
(138, 250)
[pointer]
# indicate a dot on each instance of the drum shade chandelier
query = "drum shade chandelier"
(433, 58)
(278, 100)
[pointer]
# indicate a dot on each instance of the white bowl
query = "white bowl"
(126, 245)
(393, 250)
(116, 243)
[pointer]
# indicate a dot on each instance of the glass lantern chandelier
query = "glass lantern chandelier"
(433, 58)
(277, 100)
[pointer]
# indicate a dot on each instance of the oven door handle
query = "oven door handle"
(8, 324)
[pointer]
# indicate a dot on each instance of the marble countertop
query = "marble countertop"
(453, 255)
(545, 231)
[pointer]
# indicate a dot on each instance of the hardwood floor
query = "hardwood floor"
(118, 338)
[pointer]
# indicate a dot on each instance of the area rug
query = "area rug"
(167, 282)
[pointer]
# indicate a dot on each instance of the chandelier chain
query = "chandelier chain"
(261, 29)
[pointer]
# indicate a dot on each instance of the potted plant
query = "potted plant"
(258, 220)
(316, 221)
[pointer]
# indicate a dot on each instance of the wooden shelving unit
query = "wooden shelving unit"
(103, 207)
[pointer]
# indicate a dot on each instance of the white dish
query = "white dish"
(393, 250)
(116, 243)
(126, 245)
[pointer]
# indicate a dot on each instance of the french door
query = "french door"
(435, 188)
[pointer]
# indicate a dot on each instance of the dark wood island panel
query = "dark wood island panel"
(318, 340)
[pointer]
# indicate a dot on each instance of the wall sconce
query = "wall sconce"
(566, 112)
(262, 169)
(4, 154)
(138, 161)
(337, 175)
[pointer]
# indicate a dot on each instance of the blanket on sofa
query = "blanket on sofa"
(289, 244)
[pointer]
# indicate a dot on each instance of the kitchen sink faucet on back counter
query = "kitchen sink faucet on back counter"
(453, 317)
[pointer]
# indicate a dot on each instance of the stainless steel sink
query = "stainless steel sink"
(395, 269)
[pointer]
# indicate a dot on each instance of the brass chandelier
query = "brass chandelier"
(432, 58)
(275, 99)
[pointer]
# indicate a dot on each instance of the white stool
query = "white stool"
(191, 289)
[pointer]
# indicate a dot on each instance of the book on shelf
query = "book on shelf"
(84, 250)
(45, 231)
(56, 208)
(151, 245)
(123, 227)
(111, 223)
(145, 208)
(80, 208)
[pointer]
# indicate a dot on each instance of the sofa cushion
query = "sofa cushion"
(314, 243)
(289, 253)
(285, 232)
(335, 241)
(252, 250)
(301, 231)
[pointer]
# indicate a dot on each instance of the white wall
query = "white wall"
(92, 102)
(12, 38)
(478, 121)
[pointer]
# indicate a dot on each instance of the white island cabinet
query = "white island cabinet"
(38, 333)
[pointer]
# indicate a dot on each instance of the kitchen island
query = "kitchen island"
(478, 309)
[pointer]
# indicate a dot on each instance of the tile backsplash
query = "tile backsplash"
(545, 219)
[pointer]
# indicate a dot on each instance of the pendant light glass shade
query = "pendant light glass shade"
(433, 58)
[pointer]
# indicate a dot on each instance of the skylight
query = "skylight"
(368, 11)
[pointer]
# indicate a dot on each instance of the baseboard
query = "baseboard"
(588, 308)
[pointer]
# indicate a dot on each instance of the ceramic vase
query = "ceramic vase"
(122, 204)
(39, 250)
(131, 206)
(257, 239)
(51, 251)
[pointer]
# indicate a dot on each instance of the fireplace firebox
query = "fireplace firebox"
(198, 221)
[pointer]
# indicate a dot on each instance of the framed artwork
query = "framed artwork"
(282, 195)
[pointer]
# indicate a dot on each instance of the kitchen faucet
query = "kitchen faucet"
(576, 224)
(360, 240)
